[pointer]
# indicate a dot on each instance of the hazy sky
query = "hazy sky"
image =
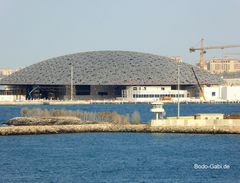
(32, 30)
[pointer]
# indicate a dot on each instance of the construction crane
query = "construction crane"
(201, 93)
(203, 49)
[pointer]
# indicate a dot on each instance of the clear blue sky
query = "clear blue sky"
(32, 31)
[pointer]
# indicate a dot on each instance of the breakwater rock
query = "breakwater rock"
(25, 121)
(54, 125)
(52, 129)
(140, 128)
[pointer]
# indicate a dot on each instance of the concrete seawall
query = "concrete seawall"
(55, 125)
(141, 128)
(197, 122)
(81, 102)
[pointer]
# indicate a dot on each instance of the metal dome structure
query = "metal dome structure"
(106, 75)
(109, 68)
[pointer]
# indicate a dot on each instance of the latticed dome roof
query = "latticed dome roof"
(109, 68)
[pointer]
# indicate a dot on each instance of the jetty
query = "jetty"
(106, 128)
(38, 125)
(197, 124)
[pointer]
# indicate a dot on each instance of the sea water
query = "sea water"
(7, 112)
(121, 157)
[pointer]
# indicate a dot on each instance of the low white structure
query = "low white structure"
(212, 93)
(209, 116)
(231, 93)
(191, 121)
(12, 98)
(6, 95)
(151, 93)
(226, 93)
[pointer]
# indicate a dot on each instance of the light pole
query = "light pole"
(71, 88)
(178, 87)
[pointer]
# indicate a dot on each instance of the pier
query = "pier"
(109, 128)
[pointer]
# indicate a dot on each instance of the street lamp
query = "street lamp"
(71, 81)
(178, 87)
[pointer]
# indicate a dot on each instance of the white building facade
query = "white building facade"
(213, 93)
(151, 93)
(231, 93)
(226, 93)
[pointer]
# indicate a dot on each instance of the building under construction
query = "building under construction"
(223, 65)
(105, 75)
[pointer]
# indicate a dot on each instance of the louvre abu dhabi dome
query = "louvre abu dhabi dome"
(109, 68)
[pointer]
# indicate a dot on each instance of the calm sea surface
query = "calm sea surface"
(7, 112)
(121, 157)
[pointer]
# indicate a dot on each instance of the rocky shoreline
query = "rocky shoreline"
(35, 121)
(34, 125)
(141, 128)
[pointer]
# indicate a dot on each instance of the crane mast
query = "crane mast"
(201, 62)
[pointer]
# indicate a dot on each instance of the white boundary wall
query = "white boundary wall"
(11, 98)
(196, 122)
